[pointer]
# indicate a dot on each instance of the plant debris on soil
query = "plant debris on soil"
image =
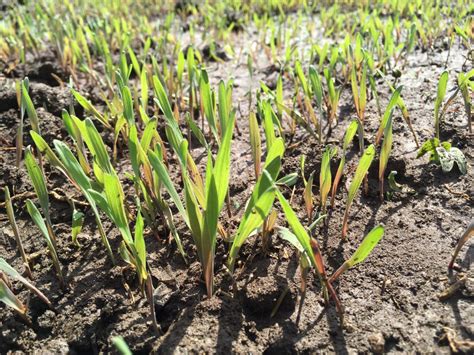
(402, 298)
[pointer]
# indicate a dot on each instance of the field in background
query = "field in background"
(206, 176)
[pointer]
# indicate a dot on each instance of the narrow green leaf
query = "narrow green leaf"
(165, 179)
(261, 200)
(302, 78)
(386, 148)
(89, 107)
(208, 103)
(97, 147)
(38, 220)
(140, 246)
(222, 166)
(297, 228)
(121, 346)
(115, 200)
(30, 108)
(37, 178)
(224, 109)
(44, 148)
(197, 132)
(442, 86)
(9, 299)
(325, 178)
(394, 100)
(15, 275)
(128, 106)
(144, 89)
(367, 245)
(77, 221)
(362, 252)
(350, 133)
(316, 86)
(362, 169)
(255, 143)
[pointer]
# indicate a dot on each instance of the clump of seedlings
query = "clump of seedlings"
(153, 152)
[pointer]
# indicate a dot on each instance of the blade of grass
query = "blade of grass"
(16, 232)
(325, 178)
(38, 219)
(385, 153)
(261, 200)
(362, 252)
(442, 86)
(255, 143)
(77, 174)
(348, 137)
(9, 299)
(362, 169)
(15, 275)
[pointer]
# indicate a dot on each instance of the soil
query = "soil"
(391, 301)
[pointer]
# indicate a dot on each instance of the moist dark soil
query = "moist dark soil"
(391, 301)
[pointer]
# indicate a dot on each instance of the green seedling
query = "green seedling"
(310, 249)
(442, 86)
(204, 222)
(144, 90)
(50, 242)
(86, 104)
(6, 294)
(361, 171)
(325, 177)
(385, 153)
(332, 101)
(348, 137)
(74, 171)
(255, 143)
(394, 101)
(362, 252)
(121, 345)
(162, 178)
(133, 248)
(304, 262)
(308, 195)
(279, 95)
(39, 185)
(318, 94)
(208, 105)
(127, 103)
(466, 86)
(21, 87)
(76, 135)
(308, 95)
(225, 104)
(261, 200)
(197, 132)
(28, 106)
(77, 222)
(359, 93)
(16, 232)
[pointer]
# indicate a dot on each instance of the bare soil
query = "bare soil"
(391, 301)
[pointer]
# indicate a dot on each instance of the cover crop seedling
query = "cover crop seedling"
(7, 273)
(362, 169)
(141, 121)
